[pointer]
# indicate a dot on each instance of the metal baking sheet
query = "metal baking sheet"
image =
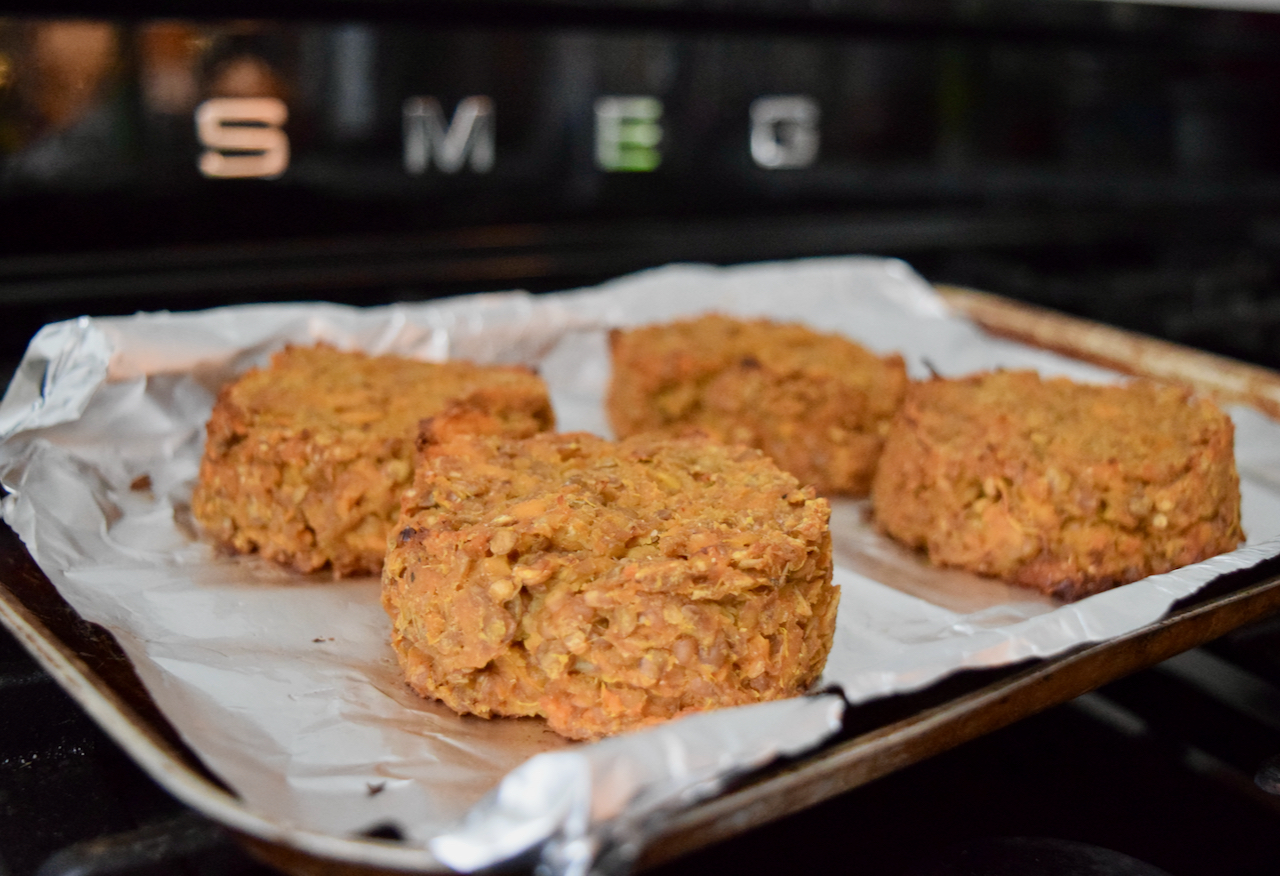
(103, 428)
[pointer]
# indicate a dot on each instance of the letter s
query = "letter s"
(242, 137)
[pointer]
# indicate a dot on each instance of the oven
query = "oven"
(1117, 162)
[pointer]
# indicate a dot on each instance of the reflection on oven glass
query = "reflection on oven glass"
(66, 98)
(168, 59)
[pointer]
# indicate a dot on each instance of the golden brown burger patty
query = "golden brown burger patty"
(818, 404)
(305, 460)
(1064, 487)
(606, 586)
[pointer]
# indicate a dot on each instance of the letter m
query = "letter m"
(428, 139)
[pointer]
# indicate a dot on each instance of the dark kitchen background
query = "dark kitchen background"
(1117, 161)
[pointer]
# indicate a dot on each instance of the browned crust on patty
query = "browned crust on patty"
(1067, 488)
(305, 459)
(606, 586)
(818, 404)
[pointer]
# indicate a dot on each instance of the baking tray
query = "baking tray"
(877, 738)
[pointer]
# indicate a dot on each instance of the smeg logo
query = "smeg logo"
(244, 137)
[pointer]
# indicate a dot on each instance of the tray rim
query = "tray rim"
(1226, 380)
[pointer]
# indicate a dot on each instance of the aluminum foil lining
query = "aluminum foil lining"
(285, 686)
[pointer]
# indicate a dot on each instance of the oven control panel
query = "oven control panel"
(192, 130)
(90, 103)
